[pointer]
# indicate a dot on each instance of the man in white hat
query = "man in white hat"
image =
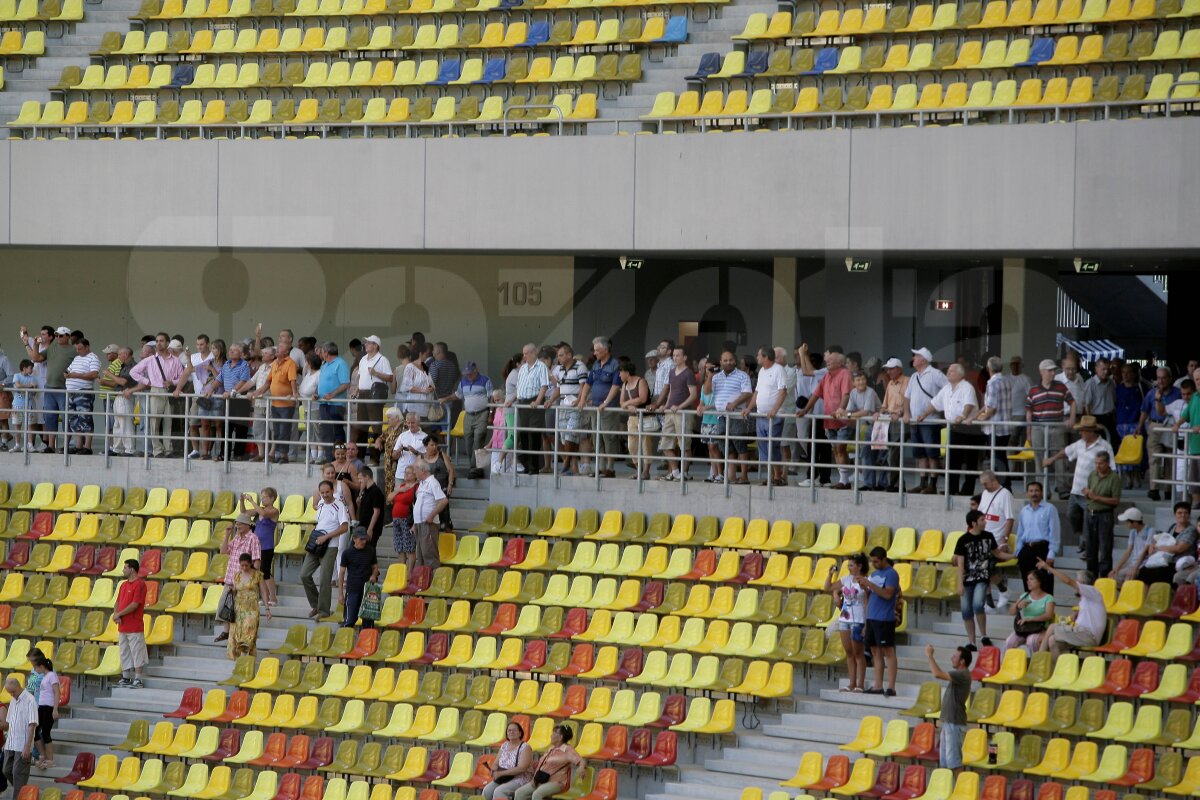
(371, 387)
(1140, 536)
(891, 411)
(924, 385)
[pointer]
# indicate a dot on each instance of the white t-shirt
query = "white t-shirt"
(82, 365)
(308, 384)
(853, 602)
(771, 381)
(953, 400)
(997, 510)
(1085, 461)
(1092, 615)
(806, 385)
(403, 457)
(331, 516)
(202, 364)
(922, 388)
(429, 492)
(365, 379)
(297, 355)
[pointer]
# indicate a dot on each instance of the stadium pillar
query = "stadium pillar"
(1181, 320)
(1027, 325)
(783, 304)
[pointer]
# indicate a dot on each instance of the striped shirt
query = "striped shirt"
(22, 712)
(1046, 402)
(235, 547)
(998, 398)
(531, 379)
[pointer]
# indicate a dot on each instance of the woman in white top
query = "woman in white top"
(512, 766)
(308, 390)
(848, 595)
(414, 387)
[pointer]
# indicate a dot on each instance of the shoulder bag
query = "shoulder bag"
(1023, 628)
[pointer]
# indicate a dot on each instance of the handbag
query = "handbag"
(313, 546)
(371, 604)
(1023, 628)
(650, 424)
(436, 412)
(227, 612)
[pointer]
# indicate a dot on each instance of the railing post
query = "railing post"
(946, 464)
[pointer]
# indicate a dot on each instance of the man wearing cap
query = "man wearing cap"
(1140, 536)
(241, 539)
(81, 378)
(891, 411)
(1044, 405)
(474, 391)
(160, 373)
(357, 566)
(1084, 453)
(924, 385)
(371, 387)
(57, 356)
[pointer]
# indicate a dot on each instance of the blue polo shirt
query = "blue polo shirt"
(1148, 403)
(333, 374)
(601, 378)
(877, 608)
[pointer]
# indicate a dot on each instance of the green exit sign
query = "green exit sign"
(858, 265)
(1084, 266)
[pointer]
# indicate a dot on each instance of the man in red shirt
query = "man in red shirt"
(834, 389)
(131, 636)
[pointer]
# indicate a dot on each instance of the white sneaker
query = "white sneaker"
(41, 447)
(194, 454)
(806, 483)
(1001, 599)
(520, 468)
(17, 449)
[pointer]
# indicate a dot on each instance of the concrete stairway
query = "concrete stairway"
(72, 48)
(668, 75)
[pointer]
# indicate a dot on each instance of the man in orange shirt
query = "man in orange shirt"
(283, 404)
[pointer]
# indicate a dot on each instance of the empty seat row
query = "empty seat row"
(386, 38)
(50, 11)
(362, 74)
(926, 17)
(980, 96)
(236, 9)
(48, 623)
(18, 43)
(307, 112)
(997, 54)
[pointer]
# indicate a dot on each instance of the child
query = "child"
(20, 420)
(501, 449)
(49, 696)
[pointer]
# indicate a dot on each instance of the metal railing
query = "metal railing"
(579, 437)
(959, 451)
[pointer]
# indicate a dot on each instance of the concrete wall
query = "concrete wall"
(1018, 188)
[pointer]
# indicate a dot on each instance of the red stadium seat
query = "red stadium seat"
(320, 755)
(1124, 635)
(652, 596)
(435, 649)
(582, 659)
(665, 752)
(1050, 791)
(191, 702)
(574, 701)
(752, 568)
(297, 753)
(313, 789)
(1120, 673)
(236, 707)
(704, 565)
(887, 780)
(616, 742)
(368, 643)
(1182, 602)
(639, 747)
(1145, 679)
(987, 665)
(439, 765)
(105, 561)
(274, 749)
(606, 786)
(85, 556)
(514, 553)
(418, 581)
(533, 657)
(414, 613)
(228, 744)
(289, 787)
(483, 773)
(505, 619)
(921, 744)
(81, 770)
(674, 711)
(631, 664)
(912, 784)
(1141, 768)
(574, 623)
(837, 773)
(18, 555)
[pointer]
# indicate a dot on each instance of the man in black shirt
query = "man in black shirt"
(370, 503)
(358, 565)
(973, 556)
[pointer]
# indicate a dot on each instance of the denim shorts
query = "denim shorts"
(974, 599)
(855, 628)
(925, 433)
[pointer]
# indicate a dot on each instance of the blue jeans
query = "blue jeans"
(333, 428)
(281, 426)
(773, 447)
(54, 402)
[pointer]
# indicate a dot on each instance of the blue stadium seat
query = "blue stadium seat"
(709, 63)
(676, 31)
(450, 70)
(493, 71)
(1042, 50)
(756, 62)
(539, 34)
(182, 76)
(827, 58)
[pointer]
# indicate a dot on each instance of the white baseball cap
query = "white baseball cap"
(892, 363)
(1047, 363)
(62, 330)
(175, 345)
(924, 353)
(375, 339)
(1131, 514)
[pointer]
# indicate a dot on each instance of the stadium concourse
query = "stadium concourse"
(683, 632)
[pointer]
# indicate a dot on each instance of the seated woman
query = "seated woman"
(553, 772)
(1036, 608)
(513, 766)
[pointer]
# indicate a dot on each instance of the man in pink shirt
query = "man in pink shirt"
(834, 389)
(160, 374)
